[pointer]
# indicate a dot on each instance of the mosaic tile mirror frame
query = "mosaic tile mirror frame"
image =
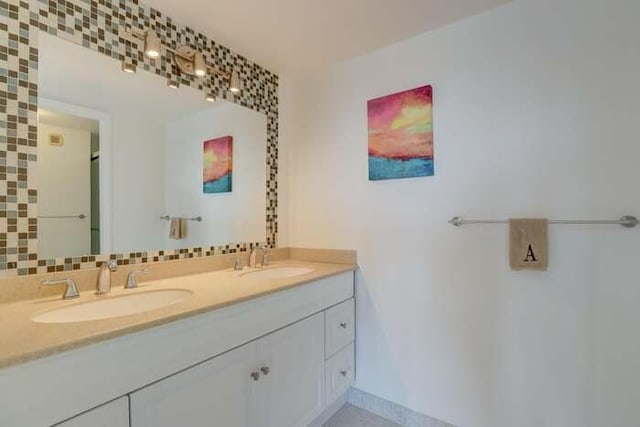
(101, 26)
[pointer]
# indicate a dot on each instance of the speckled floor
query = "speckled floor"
(352, 416)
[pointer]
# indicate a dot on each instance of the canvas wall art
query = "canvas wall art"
(401, 135)
(217, 165)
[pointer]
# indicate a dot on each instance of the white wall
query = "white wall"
(63, 189)
(138, 179)
(237, 216)
(535, 114)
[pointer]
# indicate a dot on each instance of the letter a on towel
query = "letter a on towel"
(528, 244)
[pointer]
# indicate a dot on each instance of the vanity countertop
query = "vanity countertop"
(22, 339)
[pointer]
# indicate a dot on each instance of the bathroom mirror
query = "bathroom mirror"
(120, 154)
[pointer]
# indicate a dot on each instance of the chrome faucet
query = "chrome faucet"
(237, 262)
(132, 278)
(104, 278)
(253, 255)
(265, 257)
(70, 292)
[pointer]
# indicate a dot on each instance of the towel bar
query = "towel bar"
(81, 216)
(195, 218)
(627, 221)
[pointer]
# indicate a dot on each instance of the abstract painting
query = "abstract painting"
(217, 165)
(401, 135)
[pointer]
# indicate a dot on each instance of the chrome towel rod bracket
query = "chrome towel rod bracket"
(627, 221)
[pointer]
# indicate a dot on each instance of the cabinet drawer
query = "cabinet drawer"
(339, 327)
(339, 373)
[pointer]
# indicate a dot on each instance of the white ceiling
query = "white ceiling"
(290, 36)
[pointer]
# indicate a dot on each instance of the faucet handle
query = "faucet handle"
(265, 256)
(132, 281)
(112, 264)
(71, 290)
(237, 262)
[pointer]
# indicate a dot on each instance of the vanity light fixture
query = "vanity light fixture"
(199, 65)
(234, 82)
(173, 83)
(152, 44)
(128, 67)
(187, 59)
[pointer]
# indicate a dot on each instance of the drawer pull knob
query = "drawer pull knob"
(343, 325)
(343, 373)
(255, 376)
(265, 370)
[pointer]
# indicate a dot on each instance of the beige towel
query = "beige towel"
(178, 228)
(528, 244)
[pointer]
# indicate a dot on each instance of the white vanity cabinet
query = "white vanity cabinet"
(274, 381)
(112, 414)
(264, 362)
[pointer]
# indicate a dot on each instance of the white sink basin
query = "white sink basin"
(279, 272)
(110, 307)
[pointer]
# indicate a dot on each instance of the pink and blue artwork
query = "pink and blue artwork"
(401, 135)
(217, 165)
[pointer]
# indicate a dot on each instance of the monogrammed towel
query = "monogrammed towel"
(178, 228)
(528, 244)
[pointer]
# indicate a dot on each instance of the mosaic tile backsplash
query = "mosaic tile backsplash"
(102, 26)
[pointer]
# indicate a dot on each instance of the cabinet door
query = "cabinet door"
(293, 389)
(218, 392)
(112, 414)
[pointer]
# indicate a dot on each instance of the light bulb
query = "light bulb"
(128, 67)
(234, 82)
(199, 65)
(151, 44)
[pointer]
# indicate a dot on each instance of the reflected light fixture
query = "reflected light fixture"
(189, 61)
(128, 67)
(199, 65)
(152, 44)
(173, 83)
(234, 82)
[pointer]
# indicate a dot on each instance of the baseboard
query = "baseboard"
(329, 411)
(391, 411)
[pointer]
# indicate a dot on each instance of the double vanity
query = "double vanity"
(256, 347)
(120, 153)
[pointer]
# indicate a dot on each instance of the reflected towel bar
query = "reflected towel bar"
(81, 216)
(627, 221)
(195, 218)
